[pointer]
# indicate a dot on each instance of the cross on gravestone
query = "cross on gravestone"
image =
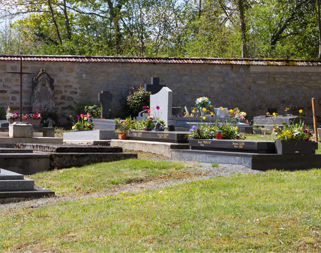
(104, 97)
(154, 87)
(20, 73)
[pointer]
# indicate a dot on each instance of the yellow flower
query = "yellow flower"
(230, 111)
(191, 115)
(193, 111)
(300, 111)
(204, 109)
(204, 117)
(267, 113)
(212, 113)
(147, 107)
(197, 111)
(222, 108)
(153, 108)
(210, 105)
(274, 114)
(236, 128)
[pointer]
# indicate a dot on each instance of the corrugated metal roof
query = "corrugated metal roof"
(162, 60)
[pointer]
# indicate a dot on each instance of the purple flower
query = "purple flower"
(144, 107)
(194, 127)
(305, 131)
(306, 139)
(191, 130)
(303, 128)
(157, 107)
(78, 117)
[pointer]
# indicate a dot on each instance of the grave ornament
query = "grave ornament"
(43, 96)
(154, 87)
(104, 97)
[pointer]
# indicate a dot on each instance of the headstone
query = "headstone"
(104, 97)
(154, 87)
(163, 99)
(177, 111)
(43, 98)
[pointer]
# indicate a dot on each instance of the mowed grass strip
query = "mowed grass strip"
(98, 177)
(268, 212)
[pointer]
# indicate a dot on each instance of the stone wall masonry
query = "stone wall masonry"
(251, 88)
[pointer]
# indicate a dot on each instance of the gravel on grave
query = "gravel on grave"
(205, 170)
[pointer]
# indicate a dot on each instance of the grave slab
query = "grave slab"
(163, 148)
(66, 148)
(104, 124)
(251, 160)
(161, 136)
(233, 145)
(8, 142)
(90, 135)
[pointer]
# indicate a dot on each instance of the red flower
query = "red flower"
(148, 111)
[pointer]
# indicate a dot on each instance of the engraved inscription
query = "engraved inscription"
(162, 136)
(203, 142)
(238, 144)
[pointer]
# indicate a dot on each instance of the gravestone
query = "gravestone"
(154, 87)
(43, 98)
(163, 99)
(104, 97)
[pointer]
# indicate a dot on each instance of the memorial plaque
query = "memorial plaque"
(233, 145)
(176, 137)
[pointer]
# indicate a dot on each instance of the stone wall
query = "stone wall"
(251, 88)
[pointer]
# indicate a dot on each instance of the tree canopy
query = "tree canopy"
(167, 28)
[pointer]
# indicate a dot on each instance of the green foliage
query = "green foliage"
(93, 110)
(136, 99)
(2, 113)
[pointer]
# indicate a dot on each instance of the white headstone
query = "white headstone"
(162, 100)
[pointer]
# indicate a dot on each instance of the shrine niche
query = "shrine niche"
(43, 97)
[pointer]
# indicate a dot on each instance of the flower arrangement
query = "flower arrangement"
(237, 114)
(15, 115)
(202, 102)
(290, 132)
(83, 123)
(204, 131)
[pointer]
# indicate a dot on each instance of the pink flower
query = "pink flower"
(144, 107)
(78, 117)
(81, 115)
(148, 111)
(157, 107)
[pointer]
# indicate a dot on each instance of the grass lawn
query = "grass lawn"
(266, 212)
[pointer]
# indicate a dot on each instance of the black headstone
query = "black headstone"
(154, 87)
(104, 97)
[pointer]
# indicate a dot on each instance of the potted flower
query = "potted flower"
(123, 127)
(237, 114)
(202, 103)
(83, 123)
(294, 138)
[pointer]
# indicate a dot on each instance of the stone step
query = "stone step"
(9, 175)
(15, 150)
(11, 181)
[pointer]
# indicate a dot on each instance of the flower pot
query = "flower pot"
(203, 113)
(122, 136)
(34, 122)
(295, 147)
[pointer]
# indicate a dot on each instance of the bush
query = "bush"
(135, 100)
(93, 110)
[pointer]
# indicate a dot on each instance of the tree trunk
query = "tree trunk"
(240, 5)
(54, 20)
(319, 27)
(67, 21)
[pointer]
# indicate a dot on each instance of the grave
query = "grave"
(90, 135)
(257, 155)
(104, 97)
(46, 157)
(163, 99)
(14, 187)
(43, 96)
(269, 121)
(154, 87)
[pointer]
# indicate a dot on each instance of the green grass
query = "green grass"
(98, 177)
(268, 212)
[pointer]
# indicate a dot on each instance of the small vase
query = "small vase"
(203, 113)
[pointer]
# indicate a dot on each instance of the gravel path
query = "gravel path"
(202, 170)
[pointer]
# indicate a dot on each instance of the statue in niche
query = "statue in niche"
(43, 97)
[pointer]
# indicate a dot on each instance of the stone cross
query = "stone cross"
(154, 87)
(20, 73)
(104, 97)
